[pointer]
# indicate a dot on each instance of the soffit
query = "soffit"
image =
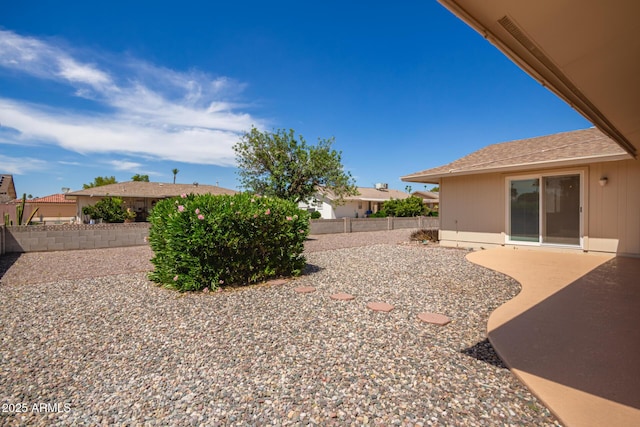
(587, 52)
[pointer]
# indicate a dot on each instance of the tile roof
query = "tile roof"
(575, 147)
(149, 189)
(54, 198)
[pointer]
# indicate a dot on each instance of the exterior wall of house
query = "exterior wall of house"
(614, 209)
(322, 205)
(55, 212)
(349, 209)
(473, 208)
(47, 212)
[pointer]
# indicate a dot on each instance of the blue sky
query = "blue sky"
(117, 88)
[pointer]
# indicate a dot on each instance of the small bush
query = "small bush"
(205, 241)
(316, 215)
(411, 206)
(380, 214)
(109, 209)
(425, 235)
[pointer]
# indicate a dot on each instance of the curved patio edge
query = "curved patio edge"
(555, 335)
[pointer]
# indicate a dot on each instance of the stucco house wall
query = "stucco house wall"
(473, 210)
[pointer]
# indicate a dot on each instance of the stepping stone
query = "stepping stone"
(277, 282)
(341, 296)
(380, 306)
(304, 289)
(436, 319)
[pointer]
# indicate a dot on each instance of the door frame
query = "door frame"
(540, 176)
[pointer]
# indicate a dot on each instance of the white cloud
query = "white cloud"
(82, 73)
(124, 165)
(21, 165)
(148, 111)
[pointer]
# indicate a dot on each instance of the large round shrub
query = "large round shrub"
(205, 241)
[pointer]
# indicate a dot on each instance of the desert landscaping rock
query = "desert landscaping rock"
(88, 329)
(435, 318)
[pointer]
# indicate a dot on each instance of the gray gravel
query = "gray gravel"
(93, 333)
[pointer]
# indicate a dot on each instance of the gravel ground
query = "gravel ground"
(86, 333)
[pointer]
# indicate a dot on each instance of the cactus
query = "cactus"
(20, 209)
(20, 212)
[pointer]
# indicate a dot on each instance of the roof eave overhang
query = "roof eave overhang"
(552, 79)
(435, 178)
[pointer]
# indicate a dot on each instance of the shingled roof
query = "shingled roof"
(157, 190)
(560, 149)
(369, 194)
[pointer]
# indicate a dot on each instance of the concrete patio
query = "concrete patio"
(572, 334)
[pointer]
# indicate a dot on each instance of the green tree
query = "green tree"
(411, 206)
(109, 209)
(283, 165)
(100, 181)
(175, 173)
(141, 178)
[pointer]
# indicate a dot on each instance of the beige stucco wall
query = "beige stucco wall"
(614, 209)
(473, 210)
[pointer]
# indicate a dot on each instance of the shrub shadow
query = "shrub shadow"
(6, 261)
(484, 352)
(311, 269)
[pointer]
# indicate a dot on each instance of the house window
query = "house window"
(545, 209)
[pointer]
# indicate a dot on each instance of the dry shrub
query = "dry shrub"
(422, 235)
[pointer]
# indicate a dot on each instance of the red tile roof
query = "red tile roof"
(54, 198)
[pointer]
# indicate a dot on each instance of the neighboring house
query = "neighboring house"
(572, 190)
(429, 198)
(368, 201)
(139, 196)
(54, 209)
(51, 209)
(7, 189)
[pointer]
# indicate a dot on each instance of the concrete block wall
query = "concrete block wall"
(354, 225)
(40, 238)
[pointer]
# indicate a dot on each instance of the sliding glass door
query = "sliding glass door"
(561, 220)
(545, 209)
(525, 210)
